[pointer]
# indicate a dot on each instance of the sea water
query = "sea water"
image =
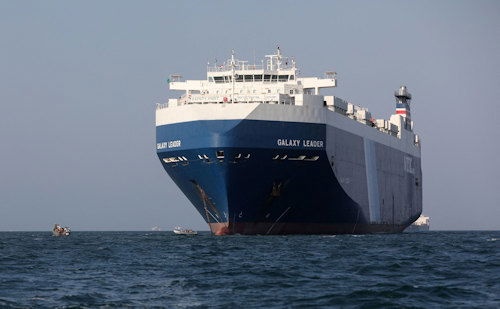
(146, 269)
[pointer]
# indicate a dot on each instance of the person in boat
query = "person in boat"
(58, 229)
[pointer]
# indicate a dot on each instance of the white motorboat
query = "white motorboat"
(181, 231)
(61, 231)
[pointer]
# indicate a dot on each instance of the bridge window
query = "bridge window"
(283, 78)
(274, 78)
(258, 78)
(218, 79)
(239, 78)
(267, 78)
(249, 78)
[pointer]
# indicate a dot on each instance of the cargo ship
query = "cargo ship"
(257, 149)
(420, 225)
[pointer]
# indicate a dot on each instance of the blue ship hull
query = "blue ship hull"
(234, 173)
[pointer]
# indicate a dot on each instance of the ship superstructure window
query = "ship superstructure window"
(251, 78)
(220, 154)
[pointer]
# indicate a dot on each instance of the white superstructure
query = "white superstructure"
(236, 81)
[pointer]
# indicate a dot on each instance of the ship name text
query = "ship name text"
(169, 144)
(299, 143)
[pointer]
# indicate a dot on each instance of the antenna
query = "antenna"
(233, 74)
(278, 57)
(232, 56)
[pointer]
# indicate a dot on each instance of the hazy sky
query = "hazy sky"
(79, 81)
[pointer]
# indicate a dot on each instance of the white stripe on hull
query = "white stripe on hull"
(278, 112)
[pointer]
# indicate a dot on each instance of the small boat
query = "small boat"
(180, 231)
(60, 231)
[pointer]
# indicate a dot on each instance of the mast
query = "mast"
(403, 98)
(233, 75)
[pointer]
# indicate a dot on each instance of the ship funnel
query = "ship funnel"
(403, 98)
